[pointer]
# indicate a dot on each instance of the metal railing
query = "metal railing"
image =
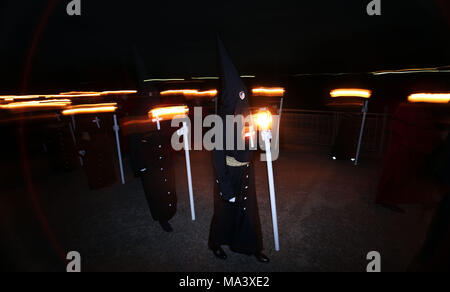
(320, 128)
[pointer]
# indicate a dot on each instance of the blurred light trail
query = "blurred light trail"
(91, 109)
(430, 97)
(351, 92)
(164, 80)
(93, 93)
(18, 97)
(38, 104)
(74, 93)
(412, 71)
(263, 91)
(167, 113)
(190, 93)
(205, 78)
(179, 92)
(119, 92)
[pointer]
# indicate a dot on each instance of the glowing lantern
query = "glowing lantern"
(430, 97)
(351, 92)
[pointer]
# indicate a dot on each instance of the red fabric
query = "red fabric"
(405, 178)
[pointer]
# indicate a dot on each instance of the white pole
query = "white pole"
(361, 134)
(184, 131)
(119, 152)
(73, 122)
(267, 136)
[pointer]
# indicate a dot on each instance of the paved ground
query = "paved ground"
(326, 216)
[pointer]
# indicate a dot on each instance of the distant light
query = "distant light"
(168, 113)
(353, 159)
(351, 92)
(264, 91)
(164, 80)
(410, 71)
(91, 109)
(248, 76)
(205, 78)
(430, 97)
(334, 158)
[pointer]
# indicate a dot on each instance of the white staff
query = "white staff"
(264, 121)
(184, 131)
(119, 152)
(361, 134)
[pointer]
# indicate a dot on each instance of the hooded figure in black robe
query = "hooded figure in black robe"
(236, 220)
(151, 155)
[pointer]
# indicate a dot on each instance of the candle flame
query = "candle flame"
(263, 119)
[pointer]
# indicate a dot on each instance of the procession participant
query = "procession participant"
(236, 221)
(151, 154)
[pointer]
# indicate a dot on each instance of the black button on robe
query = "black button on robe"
(152, 152)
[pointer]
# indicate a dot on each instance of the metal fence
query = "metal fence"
(320, 128)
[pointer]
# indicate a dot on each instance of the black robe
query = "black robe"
(97, 147)
(235, 224)
(151, 153)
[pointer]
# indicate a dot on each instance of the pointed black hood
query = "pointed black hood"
(234, 94)
(233, 102)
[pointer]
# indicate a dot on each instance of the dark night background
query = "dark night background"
(45, 50)
(327, 209)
